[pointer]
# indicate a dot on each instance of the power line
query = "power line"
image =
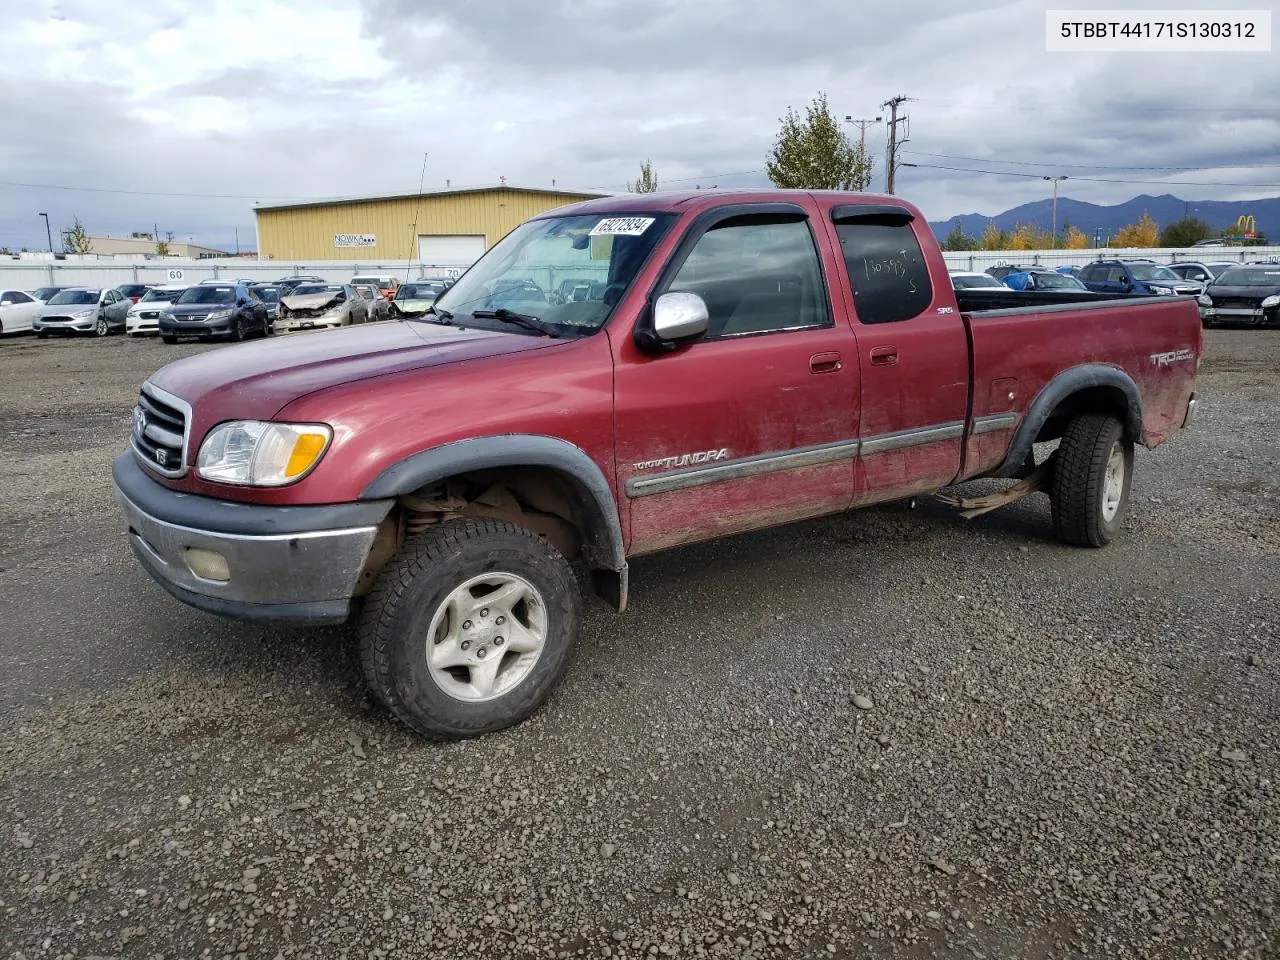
(1037, 176)
(1083, 166)
(156, 193)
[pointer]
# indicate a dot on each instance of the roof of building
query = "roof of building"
(447, 191)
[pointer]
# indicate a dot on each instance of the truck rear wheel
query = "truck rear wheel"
(1091, 481)
(469, 628)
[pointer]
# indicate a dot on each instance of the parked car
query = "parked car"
(414, 299)
(1140, 277)
(1244, 294)
(1004, 269)
(18, 311)
(451, 470)
(226, 309)
(315, 306)
(82, 310)
(1199, 272)
(1070, 269)
(967, 280)
(269, 293)
(1044, 279)
(45, 294)
(144, 316)
(387, 284)
(374, 301)
(287, 284)
(133, 291)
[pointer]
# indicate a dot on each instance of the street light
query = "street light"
(47, 231)
(1055, 204)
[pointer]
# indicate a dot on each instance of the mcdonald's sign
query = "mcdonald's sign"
(1246, 226)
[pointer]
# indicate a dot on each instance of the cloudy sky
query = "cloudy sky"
(183, 115)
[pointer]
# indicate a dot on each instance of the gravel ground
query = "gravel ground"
(891, 733)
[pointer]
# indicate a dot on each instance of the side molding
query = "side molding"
(1075, 380)
(604, 539)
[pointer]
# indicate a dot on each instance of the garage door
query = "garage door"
(449, 250)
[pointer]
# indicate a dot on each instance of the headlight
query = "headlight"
(1204, 300)
(1161, 291)
(220, 314)
(83, 314)
(257, 454)
(1271, 302)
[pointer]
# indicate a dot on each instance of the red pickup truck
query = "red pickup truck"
(612, 379)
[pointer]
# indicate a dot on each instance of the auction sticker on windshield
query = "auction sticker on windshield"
(622, 226)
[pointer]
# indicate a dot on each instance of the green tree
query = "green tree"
(648, 182)
(162, 246)
(957, 239)
(813, 153)
(75, 238)
(1183, 233)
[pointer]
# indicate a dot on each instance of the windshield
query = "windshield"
(312, 289)
(1217, 268)
(169, 295)
(1151, 271)
(1249, 277)
(75, 296)
(973, 283)
(419, 291)
(44, 293)
(268, 294)
(1057, 281)
(209, 294)
(568, 272)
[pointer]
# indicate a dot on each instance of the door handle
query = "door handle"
(825, 363)
(883, 356)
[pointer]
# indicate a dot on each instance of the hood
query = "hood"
(1253, 292)
(187, 309)
(312, 301)
(257, 379)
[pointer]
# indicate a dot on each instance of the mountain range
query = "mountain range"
(1091, 217)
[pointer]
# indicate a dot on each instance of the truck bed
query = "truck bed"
(978, 300)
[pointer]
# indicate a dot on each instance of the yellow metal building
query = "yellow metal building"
(453, 227)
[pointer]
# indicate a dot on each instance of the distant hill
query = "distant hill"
(1088, 217)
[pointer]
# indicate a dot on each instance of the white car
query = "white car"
(144, 316)
(17, 311)
(968, 280)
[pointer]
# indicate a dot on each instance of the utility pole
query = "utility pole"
(862, 137)
(895, 142)
(47, 232)
(1055, 205)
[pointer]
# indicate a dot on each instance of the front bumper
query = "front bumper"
(299, 564)
(1241, 314)
(195, 328)
(65, 326)
(292, 325)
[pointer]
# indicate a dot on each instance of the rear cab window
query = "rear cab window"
(884, 262)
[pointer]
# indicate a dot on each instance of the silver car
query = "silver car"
(314, 306)
(83, 310)
(379, 308)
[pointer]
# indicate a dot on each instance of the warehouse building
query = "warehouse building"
(447, 227)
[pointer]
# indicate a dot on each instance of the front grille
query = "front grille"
(160, 424)
(192, 318)
(150, 315)
(1237, 303)
(55, 319)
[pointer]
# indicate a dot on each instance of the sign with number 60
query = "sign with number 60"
(175, 275)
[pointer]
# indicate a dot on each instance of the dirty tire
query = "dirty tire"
(416, 583)
(1086, 510)
(237, 330)
(101, 328)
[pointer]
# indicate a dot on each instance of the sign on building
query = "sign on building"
(355, 240)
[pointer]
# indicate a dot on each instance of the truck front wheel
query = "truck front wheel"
(1091, 481)
(469, 628)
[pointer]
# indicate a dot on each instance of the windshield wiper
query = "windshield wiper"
(519, 319)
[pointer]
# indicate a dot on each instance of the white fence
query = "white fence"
(27, 274)
(979, 260)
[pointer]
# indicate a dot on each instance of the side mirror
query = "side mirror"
(677, 317)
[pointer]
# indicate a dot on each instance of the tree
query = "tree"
(1183, 233)
(1027, 236)
(813, 153)
(75, 239)
(957, 239)
(648, 182)
(162, 246)
(1144, 233)
(1074, 239)
(993, 238)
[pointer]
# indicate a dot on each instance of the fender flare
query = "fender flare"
(603, 541)
(1073, 380)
